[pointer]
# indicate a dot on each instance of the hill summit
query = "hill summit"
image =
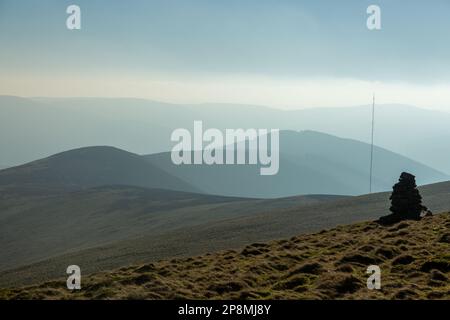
(91, 167)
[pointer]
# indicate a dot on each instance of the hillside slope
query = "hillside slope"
(218, 227)
(36, 227)
(414, 257)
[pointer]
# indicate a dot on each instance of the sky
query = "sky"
(282, 53)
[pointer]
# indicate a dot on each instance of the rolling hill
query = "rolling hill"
(413, 256)
(90, 167)
(310, 163)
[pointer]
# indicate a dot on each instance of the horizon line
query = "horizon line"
(223, 103)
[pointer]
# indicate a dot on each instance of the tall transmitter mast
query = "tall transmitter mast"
(371, 146)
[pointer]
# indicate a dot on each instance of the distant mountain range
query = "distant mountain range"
(40, 127)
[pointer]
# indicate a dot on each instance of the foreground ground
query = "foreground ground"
(414, 257)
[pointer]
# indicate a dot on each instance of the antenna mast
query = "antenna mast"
(371, 146)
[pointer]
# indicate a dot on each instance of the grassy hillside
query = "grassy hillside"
(35, 226)
(414, 257)
(211, 228)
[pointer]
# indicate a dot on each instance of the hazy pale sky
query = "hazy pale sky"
(283, 53)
